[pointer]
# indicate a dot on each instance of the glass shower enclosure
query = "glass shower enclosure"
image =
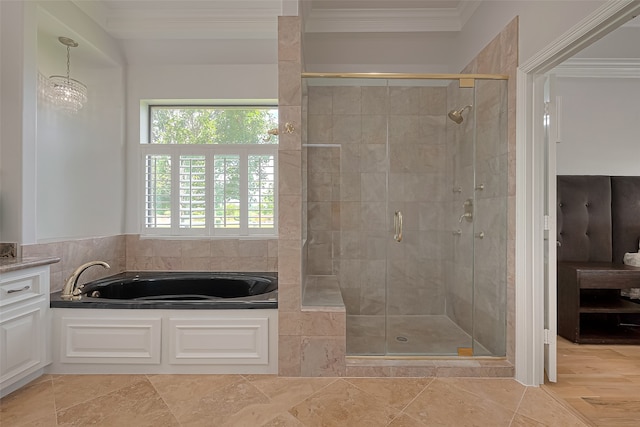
(406, 208)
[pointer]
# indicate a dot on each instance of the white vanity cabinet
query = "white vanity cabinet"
(24, 326)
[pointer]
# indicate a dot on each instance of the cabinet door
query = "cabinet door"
(20, 341)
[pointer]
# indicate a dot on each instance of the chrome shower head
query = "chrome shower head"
(456, 115)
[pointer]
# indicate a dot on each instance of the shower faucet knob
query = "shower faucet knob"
(467, 215)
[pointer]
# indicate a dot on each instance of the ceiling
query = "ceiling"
(245, 30)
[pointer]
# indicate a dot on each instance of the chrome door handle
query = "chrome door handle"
(397, 226)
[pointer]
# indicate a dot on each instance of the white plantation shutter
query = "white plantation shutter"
(227, 192)
(210, 171)
(157, 191)
(224, 190)
(261, 191)
(192, 187)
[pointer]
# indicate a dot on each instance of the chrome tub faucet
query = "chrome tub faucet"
(71, 290)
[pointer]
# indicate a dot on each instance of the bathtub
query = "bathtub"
(177, 290)
(168, 323)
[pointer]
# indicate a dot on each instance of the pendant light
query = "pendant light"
(66, 93)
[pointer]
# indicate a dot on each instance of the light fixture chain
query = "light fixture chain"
(68, 61)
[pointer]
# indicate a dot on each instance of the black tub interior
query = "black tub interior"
(180, 286)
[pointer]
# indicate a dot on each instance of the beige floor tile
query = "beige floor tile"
(175, 390)
(406, 421)
(70, 390)
(397, 392)
(342, 404)
(504, 391)
(32, 405)
(216, 407)
(538, 405)
(522, 421)
(284, 420)
(255, 414)
(282, 392)
(135, 405)
(288, 390)
(443, 403)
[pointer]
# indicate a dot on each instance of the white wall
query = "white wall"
(81, 164)
(80, 171)
(17, 132)
(600, 122)
(540, 23)
(200, 83)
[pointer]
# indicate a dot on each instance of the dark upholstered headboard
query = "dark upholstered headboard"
(598, 217)
(625, 215)
(584, 218)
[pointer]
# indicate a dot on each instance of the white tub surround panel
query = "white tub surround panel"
(123, 341)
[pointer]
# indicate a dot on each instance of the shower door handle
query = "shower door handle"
(397, 226)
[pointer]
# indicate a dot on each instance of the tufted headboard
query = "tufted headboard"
(625, 215)
(584, 218)
(598, 217)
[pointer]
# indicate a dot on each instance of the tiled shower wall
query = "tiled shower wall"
(359, 274)
(130, 252)
(350, 210)
(500, 56)
(477, 163)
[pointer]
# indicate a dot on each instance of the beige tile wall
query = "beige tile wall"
(74, 253)
(311, 340)
(131, 253)
(476, 270)
(500, 56)
(348, 194)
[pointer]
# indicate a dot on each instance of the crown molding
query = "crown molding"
(398, 20)
(602, 21)
(601, 68)
(240, 22)
(253, 19)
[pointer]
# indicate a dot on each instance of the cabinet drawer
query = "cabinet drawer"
(19, 286)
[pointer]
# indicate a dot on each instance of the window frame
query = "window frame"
(208, 151)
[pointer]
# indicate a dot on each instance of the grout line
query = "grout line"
(513, 417)
(162, 398)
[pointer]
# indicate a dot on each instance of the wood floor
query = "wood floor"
(601, 382)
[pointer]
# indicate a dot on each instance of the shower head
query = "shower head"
(456, 115)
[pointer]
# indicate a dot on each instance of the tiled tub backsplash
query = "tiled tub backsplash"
(130, 252)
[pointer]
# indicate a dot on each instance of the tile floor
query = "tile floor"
(267, 400)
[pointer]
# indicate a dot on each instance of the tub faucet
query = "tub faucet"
(71, 290)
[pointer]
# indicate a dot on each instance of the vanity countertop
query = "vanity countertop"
(12, 264)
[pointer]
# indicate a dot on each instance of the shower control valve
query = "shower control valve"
(468, 211)
(467, 215)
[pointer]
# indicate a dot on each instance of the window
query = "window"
(210, 171)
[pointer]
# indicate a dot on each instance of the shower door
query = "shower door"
(429, 289)
(407, 196)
